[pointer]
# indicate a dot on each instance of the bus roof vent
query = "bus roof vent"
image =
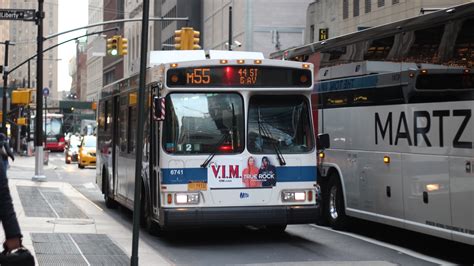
(175, 56)
(229, 55)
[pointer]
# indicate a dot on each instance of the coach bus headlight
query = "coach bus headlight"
(291, 196)
(186, 198)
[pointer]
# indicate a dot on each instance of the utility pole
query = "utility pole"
(230, 28)
(139, 141)
(5, 88)
(39, 175)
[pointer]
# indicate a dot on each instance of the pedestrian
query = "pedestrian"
(13, 251)
(5, 151)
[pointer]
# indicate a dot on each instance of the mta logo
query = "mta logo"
(244, 195)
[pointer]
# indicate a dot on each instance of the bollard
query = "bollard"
(46, 157)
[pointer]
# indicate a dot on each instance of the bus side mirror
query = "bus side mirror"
(158, 108)
(323, 141)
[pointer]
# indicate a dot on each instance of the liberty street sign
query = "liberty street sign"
(17, 14)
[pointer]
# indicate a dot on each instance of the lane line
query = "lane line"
(386, 245)
(90, 201)
(80, 251)
(49, 204)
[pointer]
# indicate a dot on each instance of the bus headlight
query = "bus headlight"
(291, 196)
(186, 198)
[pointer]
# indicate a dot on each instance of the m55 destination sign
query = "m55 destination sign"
(17, 14)
(238, 76)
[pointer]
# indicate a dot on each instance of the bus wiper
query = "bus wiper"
(263, 130)
(216, 149)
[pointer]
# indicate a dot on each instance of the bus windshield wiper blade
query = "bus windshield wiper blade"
(263, 130)
(216, 149)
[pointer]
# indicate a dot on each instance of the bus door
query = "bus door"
(153, 150)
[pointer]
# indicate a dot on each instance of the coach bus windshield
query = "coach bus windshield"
(203, 123)
(279, 120)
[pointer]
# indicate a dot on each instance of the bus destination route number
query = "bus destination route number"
(199, 76)
(248, 76)
(243, 76)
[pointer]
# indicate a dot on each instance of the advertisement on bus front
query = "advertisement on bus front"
(255, 172)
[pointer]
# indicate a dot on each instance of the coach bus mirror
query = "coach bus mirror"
(158, 108)
(322, 141)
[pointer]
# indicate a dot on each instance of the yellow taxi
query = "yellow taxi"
(87, 150)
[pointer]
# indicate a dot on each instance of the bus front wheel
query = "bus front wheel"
(335, 204)
(146, 217)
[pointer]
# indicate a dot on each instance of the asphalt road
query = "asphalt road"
(366, 243)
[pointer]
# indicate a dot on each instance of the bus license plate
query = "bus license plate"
(197, 186)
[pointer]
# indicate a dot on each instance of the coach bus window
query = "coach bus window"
(280, 120)
(379, 49)
(425, 46)
(203, 123)
(464, 46)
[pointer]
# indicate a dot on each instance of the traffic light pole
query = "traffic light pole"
(5, 88)
(39, 175)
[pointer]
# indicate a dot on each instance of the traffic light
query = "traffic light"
(196, 45)
(186, 39)
(22, 121)
(123, 46)
(21, 96)
(178, 40)
(112, 45)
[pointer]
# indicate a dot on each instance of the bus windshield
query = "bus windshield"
(203, 123)
(52, 126)
(279, 120)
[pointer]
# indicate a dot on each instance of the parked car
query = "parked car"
(87, 150)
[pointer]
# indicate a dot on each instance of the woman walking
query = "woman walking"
(5, 151)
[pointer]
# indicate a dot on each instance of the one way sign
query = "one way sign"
(17, 14)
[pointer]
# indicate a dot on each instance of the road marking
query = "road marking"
(386, 245)
(89, 185)
(80, 251)
(90, 201)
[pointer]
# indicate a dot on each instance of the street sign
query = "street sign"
(17, 14)
(45, 92)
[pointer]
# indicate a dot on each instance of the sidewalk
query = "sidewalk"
(62, 227)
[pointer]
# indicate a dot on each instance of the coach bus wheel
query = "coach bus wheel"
(275, 228)
(109, 202)
(336, 213)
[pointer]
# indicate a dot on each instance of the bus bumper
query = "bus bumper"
(232, 216)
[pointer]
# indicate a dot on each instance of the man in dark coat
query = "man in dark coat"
(7, 214)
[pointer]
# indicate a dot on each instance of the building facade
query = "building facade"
(95, 52)
(113, 65)
(4, 31)
(78, 70)
(178, 9)
(329, 18)
(264, 25)
(24, 35)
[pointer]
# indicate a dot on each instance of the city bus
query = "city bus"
(228, 141)
(53, 131)
(397, 102)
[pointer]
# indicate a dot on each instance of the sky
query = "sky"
(71, 14)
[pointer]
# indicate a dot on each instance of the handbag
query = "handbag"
(20, 256)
